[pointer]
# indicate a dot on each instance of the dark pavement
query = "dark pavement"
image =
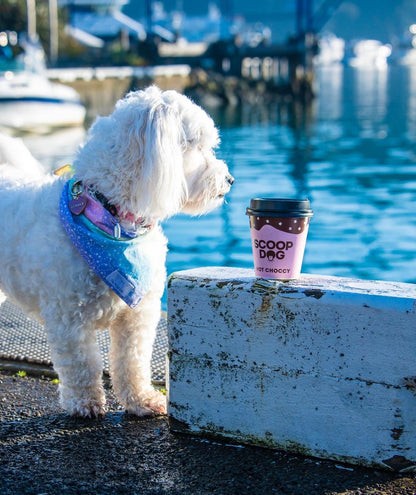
(43, 451)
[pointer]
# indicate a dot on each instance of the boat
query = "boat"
(404, 49)
(331, 50)
(29, 101)
(369, 54)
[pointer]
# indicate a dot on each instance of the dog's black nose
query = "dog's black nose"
(230, 179)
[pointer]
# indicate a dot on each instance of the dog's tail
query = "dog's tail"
(13, 152)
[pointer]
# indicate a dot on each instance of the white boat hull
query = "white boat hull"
(30, 115)
(31, 101)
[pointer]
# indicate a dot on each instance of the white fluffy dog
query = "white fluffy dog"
(151, 158)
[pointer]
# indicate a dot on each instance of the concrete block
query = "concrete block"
(321, 366)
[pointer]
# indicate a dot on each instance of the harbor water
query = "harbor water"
(352, 153)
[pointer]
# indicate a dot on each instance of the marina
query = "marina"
(351, 152)
(317, 368)
(354, 139)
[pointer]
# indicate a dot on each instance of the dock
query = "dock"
(101, 87)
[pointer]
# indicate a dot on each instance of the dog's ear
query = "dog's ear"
(135, 156)
(159, 141)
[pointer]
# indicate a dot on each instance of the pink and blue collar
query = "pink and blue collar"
(92, 204)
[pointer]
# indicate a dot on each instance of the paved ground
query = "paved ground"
(43, 451)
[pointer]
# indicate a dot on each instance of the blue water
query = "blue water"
(353, 154)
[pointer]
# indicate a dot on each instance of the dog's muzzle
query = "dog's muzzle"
(229, 180)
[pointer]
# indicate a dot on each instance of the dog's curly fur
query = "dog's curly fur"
(153, 157)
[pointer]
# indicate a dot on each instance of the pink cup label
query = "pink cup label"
(278, 246)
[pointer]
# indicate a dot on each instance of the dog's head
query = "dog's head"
(154, 156)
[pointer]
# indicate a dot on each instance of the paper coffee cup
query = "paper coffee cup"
(279, 228)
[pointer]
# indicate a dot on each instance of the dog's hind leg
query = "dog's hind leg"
(132, 336)
(77, 360)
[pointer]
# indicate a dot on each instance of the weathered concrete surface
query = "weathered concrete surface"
(323, 366)
(43, 451)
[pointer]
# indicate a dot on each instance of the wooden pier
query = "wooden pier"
(286, 68)
(101, 87)
(276, 69)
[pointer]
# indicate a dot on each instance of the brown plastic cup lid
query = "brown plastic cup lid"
(279, 207)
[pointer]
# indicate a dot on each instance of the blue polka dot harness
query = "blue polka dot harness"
(114, 254)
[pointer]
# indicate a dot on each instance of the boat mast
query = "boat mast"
(53, 31)
(31, 20)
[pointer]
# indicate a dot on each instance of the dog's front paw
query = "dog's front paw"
(85, 409)
(153, 403)
(92, 411)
